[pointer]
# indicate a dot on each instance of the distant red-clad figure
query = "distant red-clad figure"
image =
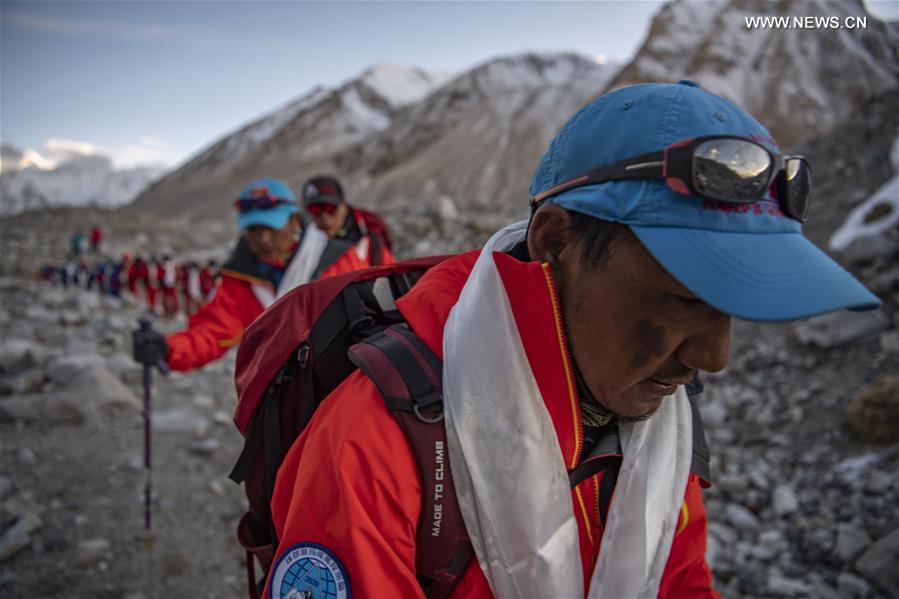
(168, 281)
(136, 268)
(96, 239)
(209, 280)
(191, 288)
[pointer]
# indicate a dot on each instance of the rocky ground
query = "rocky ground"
(72, 482)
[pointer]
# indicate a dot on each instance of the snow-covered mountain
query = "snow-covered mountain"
(304, 134)
(799, 82)
(28, 182)
(477, 139)
(399, 133)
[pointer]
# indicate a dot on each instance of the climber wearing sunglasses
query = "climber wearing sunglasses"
(357, 238)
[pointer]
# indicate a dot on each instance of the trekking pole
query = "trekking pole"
(145, 326)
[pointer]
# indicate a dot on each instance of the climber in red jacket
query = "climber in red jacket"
(276, 252)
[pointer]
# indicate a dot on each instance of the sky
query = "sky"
(156, 82)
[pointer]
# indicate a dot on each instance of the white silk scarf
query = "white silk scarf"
(299, 271)
(509, 473)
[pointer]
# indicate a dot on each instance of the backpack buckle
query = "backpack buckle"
(428, 419)
(303, 355)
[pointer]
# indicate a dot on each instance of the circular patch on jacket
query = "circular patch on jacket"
(309, 571)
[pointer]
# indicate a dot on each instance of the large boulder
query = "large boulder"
(65, 369)
(18, 355)
(55, 408)
(98, 386)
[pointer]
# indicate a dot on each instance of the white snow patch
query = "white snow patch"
(854, 227)
(362, 114)
(400, 85)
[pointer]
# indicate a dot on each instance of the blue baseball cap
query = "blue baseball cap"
(753, 264)
(283, 204)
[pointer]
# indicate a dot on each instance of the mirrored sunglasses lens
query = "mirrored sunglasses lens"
(798, 188)
(731, 170)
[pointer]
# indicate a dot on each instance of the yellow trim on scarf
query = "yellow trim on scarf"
(685, 517)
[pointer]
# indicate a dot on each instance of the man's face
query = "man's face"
(634, 331)
(329, 223)
(272, 244)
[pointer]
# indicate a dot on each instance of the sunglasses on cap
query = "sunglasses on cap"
(721, 168)
(319, 207)
(263, 202)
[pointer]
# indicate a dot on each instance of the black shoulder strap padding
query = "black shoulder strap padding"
(607, 487)
(374, 249)
(701, 454)
(606, 447)
(407, 373)
(272, 446)
(251, 447)
(361, 322)
(331, 254)
(328, 326)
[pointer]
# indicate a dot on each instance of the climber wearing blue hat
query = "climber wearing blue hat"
(275, 253)
(705, 189)
(570, 347)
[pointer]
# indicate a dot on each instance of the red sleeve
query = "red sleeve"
(215, 327)
(386, 255)
(687, 575)
(349, 484)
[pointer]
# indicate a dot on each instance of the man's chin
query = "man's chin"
(640, 409)
(639, 418)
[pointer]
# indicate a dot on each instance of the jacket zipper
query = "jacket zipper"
(569, 368)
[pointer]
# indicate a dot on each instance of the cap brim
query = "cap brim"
(770, 277)
(323, 199)
(274, 218)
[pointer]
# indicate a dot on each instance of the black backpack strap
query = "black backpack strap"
(331, 254)
(701, 454)
(374, 249)
(409, 377)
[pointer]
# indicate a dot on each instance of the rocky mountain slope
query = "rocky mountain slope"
(474, 139)
(799, 82)
(299, 138)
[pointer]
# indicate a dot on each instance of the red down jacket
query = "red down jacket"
(220, 324)
(349, 485)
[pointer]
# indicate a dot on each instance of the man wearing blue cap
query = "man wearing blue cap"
(275, 254)
(571, 344)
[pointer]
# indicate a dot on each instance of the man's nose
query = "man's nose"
(264, 236)
(708, 349)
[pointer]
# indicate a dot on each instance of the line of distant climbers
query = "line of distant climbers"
(156, 282)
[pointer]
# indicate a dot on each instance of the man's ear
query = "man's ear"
(549, 233)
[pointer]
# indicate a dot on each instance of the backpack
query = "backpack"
(289, 361)
(314, 337)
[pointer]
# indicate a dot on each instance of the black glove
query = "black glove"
(150, 347)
